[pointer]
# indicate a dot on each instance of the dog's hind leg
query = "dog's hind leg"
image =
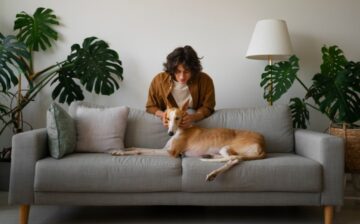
(226, 151)
(228, 165)
(211, 157)
(224, 154)
(152, 152)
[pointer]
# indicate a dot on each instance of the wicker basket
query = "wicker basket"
(352, 146)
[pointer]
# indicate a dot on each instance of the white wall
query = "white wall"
(143, 32)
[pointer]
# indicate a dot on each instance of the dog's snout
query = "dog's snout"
(171, 133)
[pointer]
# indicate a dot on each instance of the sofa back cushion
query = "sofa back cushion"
(98, 128)
(146, 131)
(61, 131)
(274, 122)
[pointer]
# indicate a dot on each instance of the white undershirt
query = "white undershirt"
(181, 94)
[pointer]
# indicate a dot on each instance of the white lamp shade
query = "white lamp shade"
(270, 39)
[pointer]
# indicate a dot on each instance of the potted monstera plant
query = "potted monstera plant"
(92, 65)
(335, 92)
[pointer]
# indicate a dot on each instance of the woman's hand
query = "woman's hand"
(161, 115)
(188, 119)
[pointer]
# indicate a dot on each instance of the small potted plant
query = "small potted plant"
(335, 92)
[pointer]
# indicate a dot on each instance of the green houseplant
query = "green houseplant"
(335, 92)
(92, 65)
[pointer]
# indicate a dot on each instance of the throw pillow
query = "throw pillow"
(100, 129)
(61, 131)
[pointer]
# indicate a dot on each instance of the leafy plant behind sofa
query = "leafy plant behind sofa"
(335, 90)
(92, 65)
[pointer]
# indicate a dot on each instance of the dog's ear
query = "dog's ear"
(168, 106)
(185, 106)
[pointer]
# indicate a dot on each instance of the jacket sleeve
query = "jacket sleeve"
(152, 104)
(207, 97)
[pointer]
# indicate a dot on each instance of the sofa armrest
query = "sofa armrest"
(328, 150)
(27, 148)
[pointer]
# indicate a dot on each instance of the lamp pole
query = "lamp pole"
(270, 101)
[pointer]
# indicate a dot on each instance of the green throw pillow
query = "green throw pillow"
(61, 131)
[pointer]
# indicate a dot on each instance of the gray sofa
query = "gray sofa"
(302, 168)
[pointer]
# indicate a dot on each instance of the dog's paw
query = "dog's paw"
(173, 153)
(210, 177)
(117, 152)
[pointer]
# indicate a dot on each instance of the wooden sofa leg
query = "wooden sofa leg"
(328, 214)
(24, 214)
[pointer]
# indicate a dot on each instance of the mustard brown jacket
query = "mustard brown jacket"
(201, 89)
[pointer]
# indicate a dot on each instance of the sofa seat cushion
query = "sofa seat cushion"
(100, 172)
(279, 172)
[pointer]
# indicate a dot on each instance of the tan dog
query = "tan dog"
(214, 144)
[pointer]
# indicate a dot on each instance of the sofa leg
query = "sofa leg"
(24, 214)
(328, 214)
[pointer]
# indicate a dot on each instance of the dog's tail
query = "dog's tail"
(262, 155)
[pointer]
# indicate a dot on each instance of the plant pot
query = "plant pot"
(351, 137)
(355, 178)
(4, 175)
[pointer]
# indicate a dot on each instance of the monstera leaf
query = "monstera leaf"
(299, 113)
(94, 64)
(11, 52)
(3, 108)
(334, 60)
(338, 94)
(67, 89)
(36, 31)
(278, 78)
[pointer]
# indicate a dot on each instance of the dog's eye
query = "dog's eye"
(177, 118)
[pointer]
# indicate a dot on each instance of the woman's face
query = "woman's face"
(182, 75)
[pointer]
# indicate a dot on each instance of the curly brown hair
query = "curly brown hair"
(183, 55)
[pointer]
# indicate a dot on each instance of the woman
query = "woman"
(182, 80)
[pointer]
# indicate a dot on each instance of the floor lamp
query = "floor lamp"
(270, 41)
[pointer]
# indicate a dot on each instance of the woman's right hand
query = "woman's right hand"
(161, 115)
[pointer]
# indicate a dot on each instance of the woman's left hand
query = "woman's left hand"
(188, 120)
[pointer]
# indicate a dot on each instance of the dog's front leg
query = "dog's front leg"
(127, 152)
(177, 147)
(139, 151)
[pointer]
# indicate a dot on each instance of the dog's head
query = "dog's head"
(174, 116)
